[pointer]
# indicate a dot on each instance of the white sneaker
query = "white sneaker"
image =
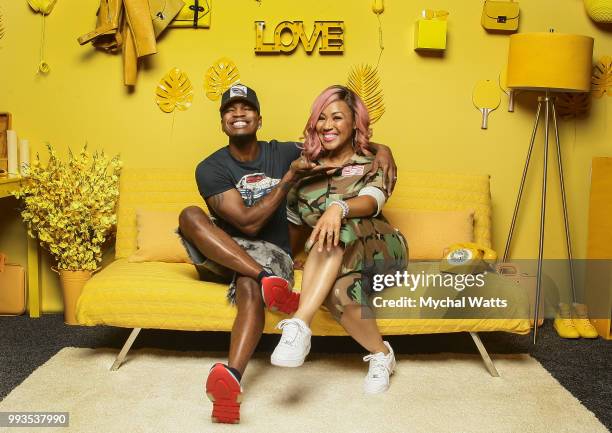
(381, 367)
(294, 344)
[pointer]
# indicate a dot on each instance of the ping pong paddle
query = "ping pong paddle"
(486, 98)
(507, 90)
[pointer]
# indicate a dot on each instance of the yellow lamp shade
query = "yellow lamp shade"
(550, 61)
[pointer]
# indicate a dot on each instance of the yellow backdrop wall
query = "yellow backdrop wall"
(430, 121)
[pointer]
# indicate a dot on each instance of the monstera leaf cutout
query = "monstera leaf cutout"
(43, 6)
(220, 77)
(174, 91)
(364, 81)
(602, 77)
(571, 105)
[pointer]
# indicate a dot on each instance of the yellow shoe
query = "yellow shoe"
(581, 321)
(563, 323)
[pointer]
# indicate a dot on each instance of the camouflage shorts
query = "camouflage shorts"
(268, 255)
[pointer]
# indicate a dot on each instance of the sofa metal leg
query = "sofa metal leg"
(125, 349)
(485, 355)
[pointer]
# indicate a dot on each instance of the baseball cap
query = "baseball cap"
(239, 92)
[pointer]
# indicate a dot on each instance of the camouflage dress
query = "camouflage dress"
(371, 244)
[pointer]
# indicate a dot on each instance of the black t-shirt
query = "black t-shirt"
(220, 172)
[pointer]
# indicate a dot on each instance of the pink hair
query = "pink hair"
(313, 148)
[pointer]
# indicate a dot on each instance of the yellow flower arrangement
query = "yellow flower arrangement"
(70, 207)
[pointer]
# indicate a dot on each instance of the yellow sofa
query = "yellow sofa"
(170, 296)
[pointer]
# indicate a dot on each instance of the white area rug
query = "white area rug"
(161, 391)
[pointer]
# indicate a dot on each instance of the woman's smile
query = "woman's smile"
(335, 126)
(329, 136)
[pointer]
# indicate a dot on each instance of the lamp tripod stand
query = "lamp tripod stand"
(548, 103)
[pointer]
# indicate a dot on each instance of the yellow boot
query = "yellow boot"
(563, 323)
(581, 321)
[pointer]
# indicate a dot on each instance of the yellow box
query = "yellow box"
(430, 34)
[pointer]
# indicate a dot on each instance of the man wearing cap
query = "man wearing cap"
(245, 241)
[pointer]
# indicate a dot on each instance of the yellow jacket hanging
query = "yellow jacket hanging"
(132, 26)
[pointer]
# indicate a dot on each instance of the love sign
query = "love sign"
(289, 34)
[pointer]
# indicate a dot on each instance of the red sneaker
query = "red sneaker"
(224, 390)
(277, 295)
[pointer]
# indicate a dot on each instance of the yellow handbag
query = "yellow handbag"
(195, 14)
(528, 283)
(12, 288)
(500, 16)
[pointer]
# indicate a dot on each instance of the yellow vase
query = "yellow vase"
(600, 11)
(72, 284)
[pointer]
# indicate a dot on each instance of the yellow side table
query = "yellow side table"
(7, 185)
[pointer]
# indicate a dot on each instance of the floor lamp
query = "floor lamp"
(547, 62)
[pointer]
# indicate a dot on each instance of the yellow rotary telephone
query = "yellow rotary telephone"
(467, 258)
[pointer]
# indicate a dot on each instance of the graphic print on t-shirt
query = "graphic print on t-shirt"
(253, 187)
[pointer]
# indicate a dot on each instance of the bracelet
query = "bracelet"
(344, 205)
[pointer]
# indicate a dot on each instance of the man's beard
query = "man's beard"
(241, 140)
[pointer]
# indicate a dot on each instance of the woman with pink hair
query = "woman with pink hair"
(350, 240)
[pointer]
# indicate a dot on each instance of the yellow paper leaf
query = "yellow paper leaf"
(571, 105)
(174, 91)
(43, 6)
(220, 77)
(602, 77)
(364, 81)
